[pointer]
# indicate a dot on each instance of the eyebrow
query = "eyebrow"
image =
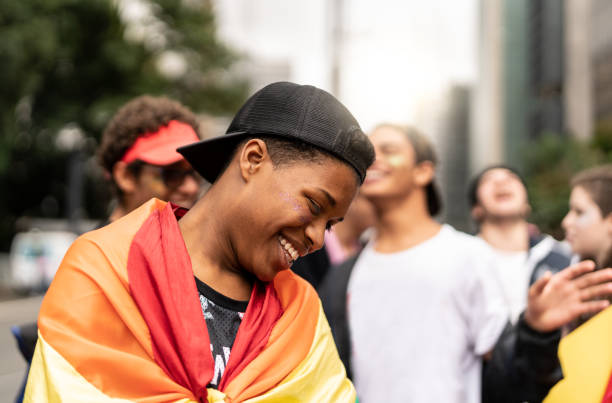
(329, 197)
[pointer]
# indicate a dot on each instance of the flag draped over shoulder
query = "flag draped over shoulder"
(122, 322)
(586, 360)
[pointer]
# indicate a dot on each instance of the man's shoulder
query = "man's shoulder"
(463, 241)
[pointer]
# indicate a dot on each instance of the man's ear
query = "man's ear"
(123, 177)
(424, 173)
(253, 154)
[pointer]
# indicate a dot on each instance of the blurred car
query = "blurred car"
(34, 258)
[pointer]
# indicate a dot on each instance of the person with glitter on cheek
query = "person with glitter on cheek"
(588, 223)
(582, 352)
(168, 304)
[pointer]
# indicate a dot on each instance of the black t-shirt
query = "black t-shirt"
(223, 316)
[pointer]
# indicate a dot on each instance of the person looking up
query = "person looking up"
(500, 208)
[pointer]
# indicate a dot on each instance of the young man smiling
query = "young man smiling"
(418, 310)
(204, 308)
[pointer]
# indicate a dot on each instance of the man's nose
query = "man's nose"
(315, 235)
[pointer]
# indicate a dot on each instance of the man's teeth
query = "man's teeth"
(289, 248)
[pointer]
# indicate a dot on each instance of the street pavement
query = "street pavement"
(12, 365)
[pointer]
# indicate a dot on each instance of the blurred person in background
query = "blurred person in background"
(500, 207)
(138, 154)
(418, 309)
(588, 224)
(139, 158)
(342, 241)
(583, 353)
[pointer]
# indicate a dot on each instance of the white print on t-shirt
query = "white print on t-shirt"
(220, 363)
(204, 302)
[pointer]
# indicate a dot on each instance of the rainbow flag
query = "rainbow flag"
(586, 360)
(122, 322)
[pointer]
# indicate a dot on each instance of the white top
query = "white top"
(420, 319)
(515, 269)
(514, 274)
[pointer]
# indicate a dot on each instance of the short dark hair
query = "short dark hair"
(142, 115)
(475, 182)
(285, 151)
(597, 182)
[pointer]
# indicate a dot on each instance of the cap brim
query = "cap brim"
(161, 157)
(209, 157)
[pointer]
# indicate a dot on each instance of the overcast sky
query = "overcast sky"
(395, 54)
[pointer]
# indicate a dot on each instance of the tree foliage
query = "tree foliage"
(550, 164)
(75, 62)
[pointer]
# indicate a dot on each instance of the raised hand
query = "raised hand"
(555, 300)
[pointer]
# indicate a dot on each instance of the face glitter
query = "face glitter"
(396, 160)
(295, 205)
(587, 218)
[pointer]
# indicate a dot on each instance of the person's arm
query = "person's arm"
(523, 365)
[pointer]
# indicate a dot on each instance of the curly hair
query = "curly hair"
(142, 115)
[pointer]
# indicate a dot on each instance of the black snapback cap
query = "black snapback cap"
(287, 110)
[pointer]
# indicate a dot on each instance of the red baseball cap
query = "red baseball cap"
(159, 148)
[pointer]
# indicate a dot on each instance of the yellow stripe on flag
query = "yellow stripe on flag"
(321, 377)
(52, 379)
(586, 359)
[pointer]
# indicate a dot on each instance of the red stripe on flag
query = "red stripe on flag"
(162, 284)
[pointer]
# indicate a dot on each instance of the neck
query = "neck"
(604, 259)
(506, 235)
(208, 244)
(347, 236)
(403, 223)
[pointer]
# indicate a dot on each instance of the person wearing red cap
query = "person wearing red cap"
(138, 154)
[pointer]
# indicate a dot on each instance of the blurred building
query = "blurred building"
(601, 56)
(405, 62)
(589, 61)
(545, 66)
(378, 58)
(445, 118)
(519, 95)
(278, 40)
